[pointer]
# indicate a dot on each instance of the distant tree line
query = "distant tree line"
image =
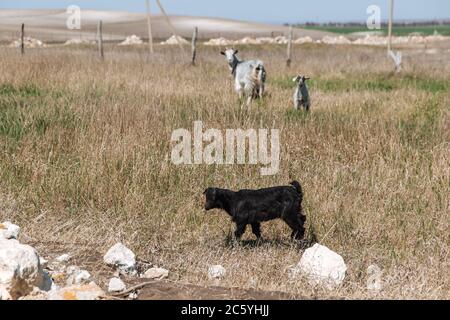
(360, 24)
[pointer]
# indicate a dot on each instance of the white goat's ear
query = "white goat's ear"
(295, 79)
(236, 51)
(222, 53)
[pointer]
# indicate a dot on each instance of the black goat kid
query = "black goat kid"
(255, 206)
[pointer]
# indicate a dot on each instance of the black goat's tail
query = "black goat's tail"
(297, 187)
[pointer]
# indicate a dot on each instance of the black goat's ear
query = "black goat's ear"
(204, 192)
(222, 53)
(307, 78)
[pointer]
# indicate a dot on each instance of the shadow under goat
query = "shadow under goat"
(251, 207)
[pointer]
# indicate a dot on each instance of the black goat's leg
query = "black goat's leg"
(298, 231)
(240, 229)
(256, 229)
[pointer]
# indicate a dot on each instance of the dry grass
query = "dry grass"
(84, 149)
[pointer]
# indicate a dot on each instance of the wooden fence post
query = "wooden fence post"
(100, 39)
(289, 48)
(22, 36)
(194, 45)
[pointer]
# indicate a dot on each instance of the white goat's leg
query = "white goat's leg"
(238, 88)
(249, 101)
(261, 90)
(240, 92)
(249, 90)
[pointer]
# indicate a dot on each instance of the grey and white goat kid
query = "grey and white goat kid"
(301, 94)
(249, 76)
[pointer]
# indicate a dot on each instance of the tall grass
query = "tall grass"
(85, 149)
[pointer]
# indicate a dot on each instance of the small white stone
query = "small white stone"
(374, 282)
(116, 285)
(8, 230)
(43, 262)
(156, 273)
(322, 266)
(72, 269)
(133, 295)
(77, 276)
(252, 283)
(63, 258)
(122, 258)
(216, 272)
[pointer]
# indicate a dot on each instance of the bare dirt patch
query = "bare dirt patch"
(164, 290)
(92, 261)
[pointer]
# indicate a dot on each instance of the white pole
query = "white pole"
(169, 23)
(149, 27)
(391, 17)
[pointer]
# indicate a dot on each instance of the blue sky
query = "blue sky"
(275, 11)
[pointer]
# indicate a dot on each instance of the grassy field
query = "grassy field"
(396, 30)
(85, 147)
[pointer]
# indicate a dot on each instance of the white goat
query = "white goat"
(301, 94)
(249, 76)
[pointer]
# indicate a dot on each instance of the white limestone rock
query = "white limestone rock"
(43, 262)
(122, 258)
(116, 285)
(77, 276)
(374, 280)
(19, 269)
(322, 267)
(89, 291)
(63, 258)
(9, 230)
(216, 272)
(156, 273)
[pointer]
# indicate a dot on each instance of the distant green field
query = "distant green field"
(397, 30)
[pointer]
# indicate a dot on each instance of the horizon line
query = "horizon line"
(276, 22)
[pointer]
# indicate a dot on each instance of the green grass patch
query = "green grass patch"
(396, 30)
(426, 84)
(12, 122)
(28, 90)
(378, 82)
(30, 109)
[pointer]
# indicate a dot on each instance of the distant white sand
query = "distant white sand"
(50, 25)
